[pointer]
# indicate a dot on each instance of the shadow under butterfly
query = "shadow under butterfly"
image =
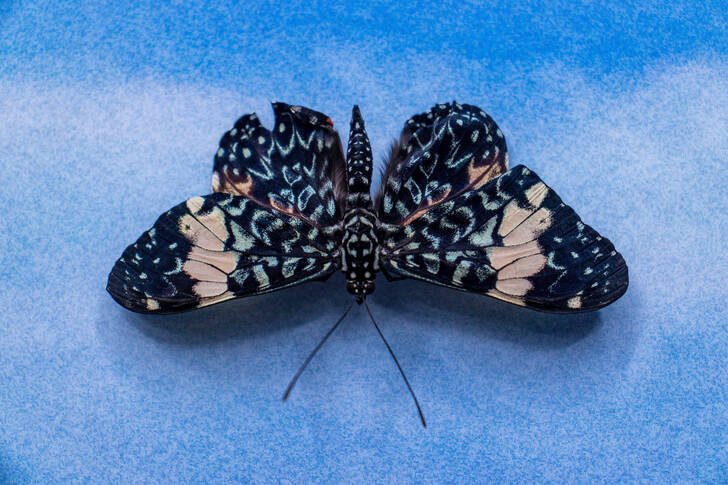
(288, 207)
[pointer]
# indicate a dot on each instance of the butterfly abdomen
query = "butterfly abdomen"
(360, 255)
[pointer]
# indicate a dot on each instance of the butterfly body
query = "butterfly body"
(360, 256)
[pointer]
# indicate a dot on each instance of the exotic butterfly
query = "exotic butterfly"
(287, 207)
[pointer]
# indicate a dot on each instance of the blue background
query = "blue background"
(111, 113)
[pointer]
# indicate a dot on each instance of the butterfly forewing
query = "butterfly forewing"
(513, 239)
(214, 248)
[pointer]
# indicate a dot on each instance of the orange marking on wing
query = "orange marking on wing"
(501, 256)
(214, 220)
(514, 214)
(226, 261)
(523, 268)
(216, 187)
(206, 289)
(530, 229)
(198, 234)
(244, 186)
(203, 272)
(536, 194)
(508, 298)
(424, 208)
(228, 295)
(283, 208)
(513, 287)
(291, 211)
(483, 172)
(226, 182)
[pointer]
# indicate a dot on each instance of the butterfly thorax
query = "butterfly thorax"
(360, 256)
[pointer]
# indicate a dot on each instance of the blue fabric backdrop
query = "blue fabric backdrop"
(110, 113)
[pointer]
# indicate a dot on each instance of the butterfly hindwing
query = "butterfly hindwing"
(298, 167)
(218, 247)
(450, 149)
(514, 239)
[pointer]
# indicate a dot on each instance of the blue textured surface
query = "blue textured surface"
(111, 114)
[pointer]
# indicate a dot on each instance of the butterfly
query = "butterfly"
(287, 206)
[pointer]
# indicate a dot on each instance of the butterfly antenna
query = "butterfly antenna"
(391, 352)
(313, 352)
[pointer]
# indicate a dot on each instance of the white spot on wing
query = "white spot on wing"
(574, 302)
(461, 271)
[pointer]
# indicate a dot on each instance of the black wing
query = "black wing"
(297, 168)
(272, 223)
(448, 150)
(511, 237)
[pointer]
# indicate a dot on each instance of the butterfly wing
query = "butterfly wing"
(214, 248)
(510, 237)
(272, 222)
(297, 168)
(440, 154)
